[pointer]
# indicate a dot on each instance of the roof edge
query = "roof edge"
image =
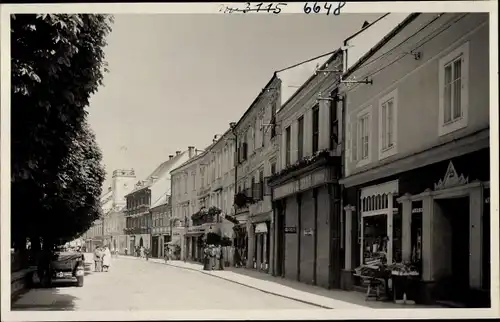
(381, 43)
(274, 77)
(309, 80)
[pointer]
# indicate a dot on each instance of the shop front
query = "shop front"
(433, 218)
(307, 221)
(261, 226)
(194, 243)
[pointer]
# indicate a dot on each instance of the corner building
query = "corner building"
(417, 157)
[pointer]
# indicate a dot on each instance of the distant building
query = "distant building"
(147, 194)
(161, 230)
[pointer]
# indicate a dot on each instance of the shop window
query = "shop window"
(397, 238)
(374, 238)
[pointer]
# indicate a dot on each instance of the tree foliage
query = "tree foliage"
(57, 63)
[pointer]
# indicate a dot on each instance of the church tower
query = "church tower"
(122, 183)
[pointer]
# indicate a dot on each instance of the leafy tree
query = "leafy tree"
(57, 63)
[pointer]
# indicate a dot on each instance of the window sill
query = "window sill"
(452, 126)
(388, 152)
(362, 163)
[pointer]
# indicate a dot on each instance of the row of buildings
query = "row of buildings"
(385, 142)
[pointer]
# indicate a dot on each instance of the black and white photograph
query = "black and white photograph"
(292, 160)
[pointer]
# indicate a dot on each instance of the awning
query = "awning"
(261, 228)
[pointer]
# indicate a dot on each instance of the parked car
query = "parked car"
(66, 266)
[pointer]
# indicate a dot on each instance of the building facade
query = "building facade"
(147, 194)
(113, 220)
(201, 183)
(161, 231)
(417, 155)
(255, 160)
(306, 192)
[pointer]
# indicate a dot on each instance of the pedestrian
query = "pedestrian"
(126, 251)
(146, 253)
(106, 259)
(98, 259)
(221, 258)
(206, 259)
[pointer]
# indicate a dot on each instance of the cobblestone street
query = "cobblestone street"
(140, 285)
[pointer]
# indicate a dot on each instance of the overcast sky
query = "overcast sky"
(177, 80)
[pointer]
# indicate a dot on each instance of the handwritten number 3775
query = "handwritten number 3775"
(328, 7)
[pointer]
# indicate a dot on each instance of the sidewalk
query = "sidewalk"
(331, 299)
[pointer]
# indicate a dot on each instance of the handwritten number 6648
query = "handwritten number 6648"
(328, 6)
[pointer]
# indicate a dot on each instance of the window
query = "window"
(288, 146)
(334, 122)
(300, 138)
(273, 168)
(363, 128)
(194, 180)
(261, 184)
(388, 125)
(315, 129)
(273, 120)
(360, 130)
(453, 90)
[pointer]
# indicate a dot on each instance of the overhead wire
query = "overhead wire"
(401, 43)
(408, 53)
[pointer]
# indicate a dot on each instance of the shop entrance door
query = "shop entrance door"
(456, 214)
(280, 241)
(154, 247)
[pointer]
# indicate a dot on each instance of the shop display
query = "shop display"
(403, 269)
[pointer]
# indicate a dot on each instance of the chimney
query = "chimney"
(177, 152)
(365, 24)
(191, 151)
(216, 137)
(170, 157)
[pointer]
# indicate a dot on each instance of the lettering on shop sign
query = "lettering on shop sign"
(417, 210)
(254, 7)
(291, 230)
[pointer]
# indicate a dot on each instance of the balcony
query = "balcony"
(322, 158)
(206, 216)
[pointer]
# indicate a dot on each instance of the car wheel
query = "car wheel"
(79, 281)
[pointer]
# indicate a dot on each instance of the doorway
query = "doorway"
(280, 240)
(455, 216)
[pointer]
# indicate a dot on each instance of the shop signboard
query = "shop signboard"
(291, 230)
(196, 229)
(305, 183)
(416, 207)
(308, 232)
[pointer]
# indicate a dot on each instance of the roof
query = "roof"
(205, 151)
(275, 77)
(160, 171)
(333, 56)
(381, 43)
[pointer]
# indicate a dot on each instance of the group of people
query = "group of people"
(142, 252)
(213, 258)
(102, 259)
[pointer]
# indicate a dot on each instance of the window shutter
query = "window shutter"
(354, 141)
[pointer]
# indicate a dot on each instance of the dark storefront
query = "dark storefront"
(440, 223)
(306, 205)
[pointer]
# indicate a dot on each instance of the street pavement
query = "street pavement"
(141, 285)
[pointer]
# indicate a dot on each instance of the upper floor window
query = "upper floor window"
(388, 125)
(364, 136)
(273, 168)
(453, 90)
(194, 180)
(360, 137)
(334, 122)
(315, 129)
(300, 138)
(273, 119)
(288, 150)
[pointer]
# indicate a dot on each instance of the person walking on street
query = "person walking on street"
(98, 259)
(146, 253)
(106, 260)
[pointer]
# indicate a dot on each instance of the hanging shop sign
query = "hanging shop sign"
(196, 229)
(417, 207)
(261, 228)
(291, 230)
(308, 232)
